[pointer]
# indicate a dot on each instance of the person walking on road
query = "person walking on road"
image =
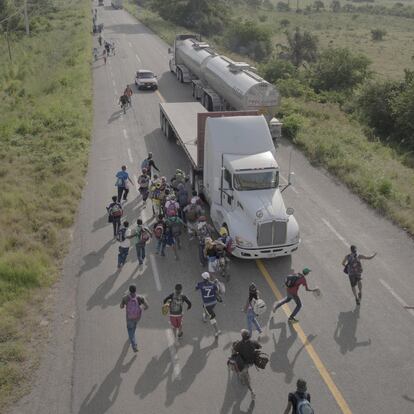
(293, 282)
(124, 235)
(128, 94)
(134, 305)
(176, 301)
(209, 296)
(143, 183)
(122, 177)
(249, 309)
(104, 55)
(142, 236)
(149, 164)
(244, 352)
(353, 267)
(115, 213)
(299, 401)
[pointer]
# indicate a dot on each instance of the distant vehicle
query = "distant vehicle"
(221, 84)
(234, 168)
(117, 4)
(145, 79)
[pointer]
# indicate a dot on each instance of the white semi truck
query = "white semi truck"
(233, 165)
(222, 84)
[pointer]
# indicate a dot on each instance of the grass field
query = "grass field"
(45, 128)
(327, 135)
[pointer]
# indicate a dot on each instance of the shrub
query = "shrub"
(294, 88)
(291, 125)
(378, 34)
(276, 69)
(284, 22)
(282, 6)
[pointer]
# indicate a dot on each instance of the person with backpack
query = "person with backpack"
(353, 267)
(192, 212)
(171, 206)
(183, 200)
(244, 354)
(143, 186)
(293, 282)
(175, 224)
(123, 236)
(133, 305)
(178, 178)
(249, 309)
(158, 230)
(115, 213)
(149, 164)
(121, 179)
(210, 296)
(176, 301)
(299, 401)
(206, 254)
(142, 236)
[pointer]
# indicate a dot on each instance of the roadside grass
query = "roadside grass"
(327, 136)
(45, 128)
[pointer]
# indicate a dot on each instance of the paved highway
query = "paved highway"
(356, 360)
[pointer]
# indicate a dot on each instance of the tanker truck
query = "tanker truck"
(234, 167)
(221, 84)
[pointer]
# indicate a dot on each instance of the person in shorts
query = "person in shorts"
(353, 267)
(176, 301)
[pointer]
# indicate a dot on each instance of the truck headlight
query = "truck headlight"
(243, 243)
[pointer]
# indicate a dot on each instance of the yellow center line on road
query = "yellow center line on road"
(309, 348)
(162, 99)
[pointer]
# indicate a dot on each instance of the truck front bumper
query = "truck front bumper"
(264, 252)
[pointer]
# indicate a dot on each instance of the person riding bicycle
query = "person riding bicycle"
(123, 101)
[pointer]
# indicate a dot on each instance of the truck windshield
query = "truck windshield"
(256, 180)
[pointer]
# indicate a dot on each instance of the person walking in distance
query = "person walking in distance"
(128, 94)
(299, 401)
(353, 267)
(209, 295)
(124, 235)
(249, 309)
(122, 177)
(293, 282)
(244, 352)
(115, 213)
(176, 301)
(142, 235)
(143, 183)
(104, 55)
(134, 305)
(149, 164)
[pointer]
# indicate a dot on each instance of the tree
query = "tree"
(378, 34)
(318, 5)
(282, 6)
(302, 47)
(276, 69)
(336, 6)
(339, 70)
(284, 22)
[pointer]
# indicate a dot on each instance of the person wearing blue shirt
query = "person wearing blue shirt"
(209, 292)
(122, 178)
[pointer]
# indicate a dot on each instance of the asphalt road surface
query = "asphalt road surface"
(355, 359)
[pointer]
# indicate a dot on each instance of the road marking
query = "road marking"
(292, 187)
(130, 44)
(309, 348)
(396, 296)
(113, 83)
(173, 354)
(130, 155)
(115, 92)
(332, 228)
(155, 273)
(162, 99)
(125, 133)
(138, 59)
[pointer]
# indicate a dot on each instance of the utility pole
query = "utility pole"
(26, 18)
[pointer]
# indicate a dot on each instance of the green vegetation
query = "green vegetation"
(335, 107)
(45, 126)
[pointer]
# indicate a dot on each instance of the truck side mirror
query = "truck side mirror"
(290, 211)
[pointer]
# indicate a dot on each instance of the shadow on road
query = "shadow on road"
(345, 331)
(407, 398)
(115, 116)
(93, 259)
(105, 396)
(279, 361)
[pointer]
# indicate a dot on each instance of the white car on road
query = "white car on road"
(145, 79)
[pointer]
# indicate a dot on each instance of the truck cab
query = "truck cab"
(241, 184)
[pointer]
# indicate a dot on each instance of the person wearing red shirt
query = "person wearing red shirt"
(293, 283)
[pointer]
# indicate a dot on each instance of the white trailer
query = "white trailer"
(233, 165)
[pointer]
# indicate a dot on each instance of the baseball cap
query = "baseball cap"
(205, 275)
(306, 270)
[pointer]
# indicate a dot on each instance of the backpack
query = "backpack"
(182, 198)
(175, 227)
(354, 265)
(261, 360)
(191, 214)
(171, 210)
(133, 310)
(142, 235)
(116, 210)
(145, 164)
(303, 405)
(120, 182)
(121, 234)
(291, 281)
(259, 307)
(203, 232)
(176, 304)
(143, 181)
(159, 231)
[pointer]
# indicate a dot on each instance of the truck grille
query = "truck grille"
(271, 233)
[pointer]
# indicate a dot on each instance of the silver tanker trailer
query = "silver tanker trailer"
(222, 84)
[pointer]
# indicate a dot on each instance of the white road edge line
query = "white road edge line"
(155, 273)
(330, 227)
(138, 59)
(113, 83)
(399, 299)
(125, 133)
(173, 355)
(130, 155)
(130, 44)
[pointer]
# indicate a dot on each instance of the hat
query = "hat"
(205, 275)
(223, 231)
(306, 271)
